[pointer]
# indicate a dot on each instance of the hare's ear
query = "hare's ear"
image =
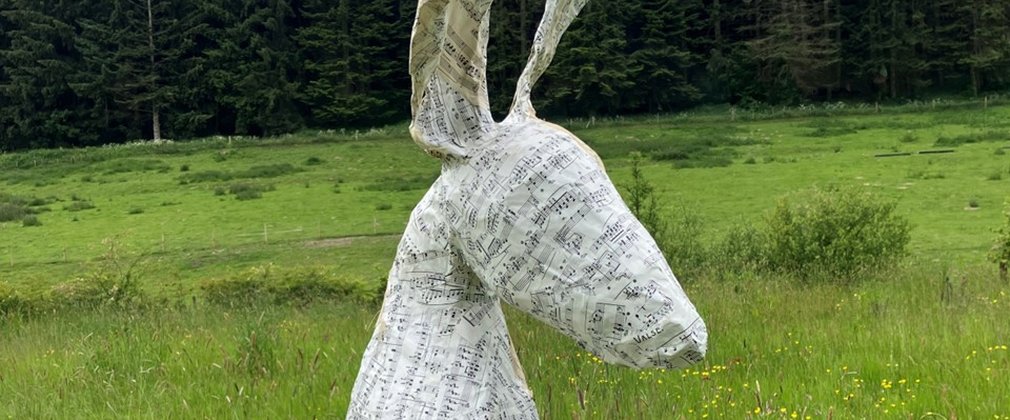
(448, 59)
(558, 14)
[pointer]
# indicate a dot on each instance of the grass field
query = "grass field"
(926, 338)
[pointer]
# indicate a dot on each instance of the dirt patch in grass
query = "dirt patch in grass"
(343, 242)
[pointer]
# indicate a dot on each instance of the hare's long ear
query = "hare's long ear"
(558, 14)
(448, 59)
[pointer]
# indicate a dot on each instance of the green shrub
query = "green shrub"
(642, 199)
(223, 155)
(10, 301)
(205, 176)
(1000, 253)
(401, 183)
(248, 194)
(120, 166)
(248, 191)
(99, 289)
(79, 206)
(267, 284)
(830, 128)
(677, 235)
(312, 161)
(836, 231)
(30, 221)
(11, 212)
(973, 138)
(743, 248)
(263, 171)
(135, 210)
(383, 206)
(267, 171)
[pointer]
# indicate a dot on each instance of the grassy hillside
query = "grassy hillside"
(928, 336)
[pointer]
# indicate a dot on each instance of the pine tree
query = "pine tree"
(135, 63)
(989, 42)
(40, 109)
(798, 47)
(661, 55)
(946, 45)
(348, 49)
(252, 67)
(512, 26)
(590, 74)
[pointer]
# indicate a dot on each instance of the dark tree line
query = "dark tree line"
(87, 72)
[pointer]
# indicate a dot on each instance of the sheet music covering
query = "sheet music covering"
(524, 213)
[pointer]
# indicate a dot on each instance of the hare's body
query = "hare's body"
(522, 213)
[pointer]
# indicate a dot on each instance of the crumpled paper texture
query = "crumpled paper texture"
(522, 213)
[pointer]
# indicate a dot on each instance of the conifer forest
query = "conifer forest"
(82, 73)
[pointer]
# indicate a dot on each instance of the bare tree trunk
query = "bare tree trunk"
(155, 117)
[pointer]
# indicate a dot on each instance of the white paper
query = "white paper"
(523, 213)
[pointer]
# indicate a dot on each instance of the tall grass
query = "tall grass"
(915, 340)
(906, 344)
(207, 362)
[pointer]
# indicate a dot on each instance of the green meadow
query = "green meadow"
(170, 280)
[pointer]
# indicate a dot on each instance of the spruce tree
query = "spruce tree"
(252, 67)
(39, 108)
(349, 58)
(512, 27)
(591, 74)
(989, 42)
(662, 56)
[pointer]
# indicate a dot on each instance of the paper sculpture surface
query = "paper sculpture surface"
(524, 213)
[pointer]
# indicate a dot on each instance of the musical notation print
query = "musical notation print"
(523, 213)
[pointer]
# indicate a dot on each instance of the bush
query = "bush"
(401, 183)
(264, 171)
(267, 171)
(79, 206)
(973, 138)
(102, 288)
(744, 248)
(909, 137)
(133, 165)
(205, 176)
(677, 236)
(1000, 253)
(30, 220)
(837, 232)
(312, 161)
(10, 301)
(248, 194)
(246, 191)
(11, 212)
(267, 284)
